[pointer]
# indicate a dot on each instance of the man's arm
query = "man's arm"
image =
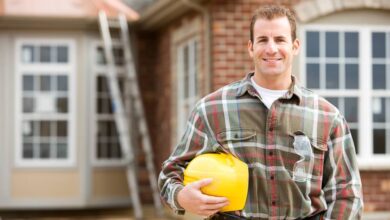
(196, 139)
(341, 184)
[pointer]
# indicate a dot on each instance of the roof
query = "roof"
(72, 9)
(161, 12)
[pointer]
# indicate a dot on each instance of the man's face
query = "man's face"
(272, 49)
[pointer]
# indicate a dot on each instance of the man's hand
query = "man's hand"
(193, 200)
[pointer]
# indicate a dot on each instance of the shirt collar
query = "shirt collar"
(246, 86)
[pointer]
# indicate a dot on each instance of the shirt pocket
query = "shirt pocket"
(310, 153)
(237, 141)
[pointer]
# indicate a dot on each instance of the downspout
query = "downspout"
(207, 38)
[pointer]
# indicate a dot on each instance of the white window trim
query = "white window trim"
(70, 69)
(95, 70)
(366, 159)
(181, 101)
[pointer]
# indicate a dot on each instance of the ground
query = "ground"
(96, 214)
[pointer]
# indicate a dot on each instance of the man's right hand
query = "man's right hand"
(193, 200)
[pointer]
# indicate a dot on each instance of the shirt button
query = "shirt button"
(271, 153)
(272, 177)
(273, 203)
(271, 128)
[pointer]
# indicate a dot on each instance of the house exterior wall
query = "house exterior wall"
(230, 33)
(80, 184)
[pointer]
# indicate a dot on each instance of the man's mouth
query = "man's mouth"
(271, 59)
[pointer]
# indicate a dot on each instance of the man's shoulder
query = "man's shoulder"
(226, 92)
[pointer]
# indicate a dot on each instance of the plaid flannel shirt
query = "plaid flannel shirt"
(300, 152)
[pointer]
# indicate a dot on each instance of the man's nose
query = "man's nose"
(271, 47)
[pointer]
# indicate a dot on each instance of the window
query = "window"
(107, 149)
(187, 74)
(350, 67)
(44, 102)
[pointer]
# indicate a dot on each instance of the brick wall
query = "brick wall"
(231, 22)
(376, 190)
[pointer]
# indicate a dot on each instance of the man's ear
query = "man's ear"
(250, 48)
(296, 46)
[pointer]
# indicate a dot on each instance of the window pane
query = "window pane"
(115, 150)
(28, 83)
(113, 132)
(45, 54)
(44, 151)
(313, 44)
(62, 83)
(332, 44)
(332, 76)
(379, 76)
(28, 151)
(62, 54)
(102, 85)
(354, 133)
(100, 58)
(313, 76)
(334, 101)
(351, 44)
(45, 84)
(28, 105)
(102, 150)
(28, 54)
(45, 128)
(351, 76)
(62, 151)
(379, 141)
(379, 110)
(351, 109)
(62, 105)
(62, 128)
(28, 128)
(379, 45)
(118, 56)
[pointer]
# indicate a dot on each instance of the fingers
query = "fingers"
(214, 199)
(201, 183)
(216, 206)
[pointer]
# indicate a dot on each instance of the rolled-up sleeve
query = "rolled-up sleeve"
(196, 140)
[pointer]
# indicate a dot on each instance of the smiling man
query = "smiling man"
(298, 147)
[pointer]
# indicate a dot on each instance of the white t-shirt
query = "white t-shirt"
(268, 96)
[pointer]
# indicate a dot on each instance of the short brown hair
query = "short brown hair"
(270, 12)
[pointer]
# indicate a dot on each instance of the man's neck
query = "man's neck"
(281, 82)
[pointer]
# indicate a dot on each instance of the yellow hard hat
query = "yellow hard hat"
(229, 174)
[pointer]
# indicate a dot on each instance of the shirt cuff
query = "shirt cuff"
(176, 206)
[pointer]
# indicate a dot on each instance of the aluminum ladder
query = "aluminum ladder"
(121, 116)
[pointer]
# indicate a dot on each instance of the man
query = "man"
(298, 147)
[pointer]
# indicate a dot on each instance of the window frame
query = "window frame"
(193, 48)
(69, 68)
(96, 70)
(366, 158)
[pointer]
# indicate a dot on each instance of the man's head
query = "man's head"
(271, 12)
(273, 45)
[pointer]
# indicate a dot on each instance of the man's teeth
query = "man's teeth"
(272, 59)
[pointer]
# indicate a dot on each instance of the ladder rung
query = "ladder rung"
(114, 23)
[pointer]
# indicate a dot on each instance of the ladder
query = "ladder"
(121, 116)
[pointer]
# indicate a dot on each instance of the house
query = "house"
(189, 48)
(58, 143)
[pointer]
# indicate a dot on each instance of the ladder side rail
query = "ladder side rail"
(120, 115)
(139, 110)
